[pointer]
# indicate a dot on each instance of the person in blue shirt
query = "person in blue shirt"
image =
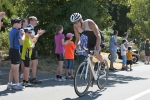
(14, 53)
(113, 49)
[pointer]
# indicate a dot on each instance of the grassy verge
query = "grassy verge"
(49, 65)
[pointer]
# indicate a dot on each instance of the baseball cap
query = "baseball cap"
(15, 20)
(69, 35)
(28, 30)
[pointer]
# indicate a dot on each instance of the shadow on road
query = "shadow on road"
(121, 79)
(49, 81)
(91, 95)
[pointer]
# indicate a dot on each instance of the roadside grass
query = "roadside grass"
(48, 64)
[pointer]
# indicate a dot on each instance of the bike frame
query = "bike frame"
(89, 64)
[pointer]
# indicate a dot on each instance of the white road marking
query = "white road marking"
(139, 95)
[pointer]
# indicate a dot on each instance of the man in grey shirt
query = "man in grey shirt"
(113, 49)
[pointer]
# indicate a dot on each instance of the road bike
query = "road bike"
(86, 75)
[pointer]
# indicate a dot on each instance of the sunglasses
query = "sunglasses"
(76, 22)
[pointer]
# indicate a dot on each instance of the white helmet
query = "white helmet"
(75, 16)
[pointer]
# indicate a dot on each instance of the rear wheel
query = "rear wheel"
(81, 84)
(102, 79)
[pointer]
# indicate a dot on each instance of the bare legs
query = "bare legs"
(14, 72)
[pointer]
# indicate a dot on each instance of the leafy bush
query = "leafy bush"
(4, 41)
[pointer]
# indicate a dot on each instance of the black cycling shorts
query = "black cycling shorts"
(34, 55)
(60, 57)
(14, 55)
(90, 46)
(26, 62)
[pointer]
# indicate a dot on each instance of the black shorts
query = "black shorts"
(34, 55)
(90, 46)
(129, 62)
(26, 62)
(60, 57)
(91, 39)
(14, 55)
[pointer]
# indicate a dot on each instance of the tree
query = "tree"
(139, 15)
(13, 9)
(53, 12)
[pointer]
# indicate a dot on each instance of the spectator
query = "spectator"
(14, 53)
(129, 57)
(24, 24)
(113, 49)
(69, 55)
(34, 57)
(142, 44)
(59, 51)
(147, 51)
(28, 45)
(81, 53)
(123, 54)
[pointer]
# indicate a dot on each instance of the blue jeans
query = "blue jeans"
(69, 63)
(124, 59)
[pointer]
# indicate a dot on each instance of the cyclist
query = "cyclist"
(89, 28)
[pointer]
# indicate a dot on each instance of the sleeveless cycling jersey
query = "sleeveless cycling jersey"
(90, 34)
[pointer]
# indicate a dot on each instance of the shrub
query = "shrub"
(4, 41)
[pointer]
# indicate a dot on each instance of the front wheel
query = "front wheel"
(103, 76)
(81, 83)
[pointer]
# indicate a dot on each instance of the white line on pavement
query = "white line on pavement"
(139, 95)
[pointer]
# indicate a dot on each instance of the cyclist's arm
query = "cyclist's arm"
(95, 29)
(77, 35)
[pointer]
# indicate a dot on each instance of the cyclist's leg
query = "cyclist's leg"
(98, 56)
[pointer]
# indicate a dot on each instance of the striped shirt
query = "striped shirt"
(83, 43)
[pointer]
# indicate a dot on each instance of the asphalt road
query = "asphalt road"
(122, 85)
